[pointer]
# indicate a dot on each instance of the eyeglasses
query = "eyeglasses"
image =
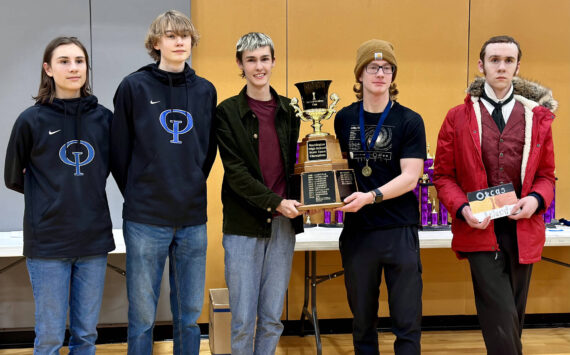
(374, 68)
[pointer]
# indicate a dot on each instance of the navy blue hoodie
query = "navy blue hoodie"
(163, 146)
(64, 149)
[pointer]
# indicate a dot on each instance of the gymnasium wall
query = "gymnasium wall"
(115, 43)
(113, 33)
(436, 43)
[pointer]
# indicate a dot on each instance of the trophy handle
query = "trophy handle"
(298, 112)
(331, 110)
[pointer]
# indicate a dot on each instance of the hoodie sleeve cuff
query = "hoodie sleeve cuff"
(459, 215)
(540, 201)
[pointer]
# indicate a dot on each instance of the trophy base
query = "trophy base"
(323, 189)
(321, 206)
(321, 166)
(320, 152)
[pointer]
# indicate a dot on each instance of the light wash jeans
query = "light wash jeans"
(147, 249)
(257, 274)
(61, 284)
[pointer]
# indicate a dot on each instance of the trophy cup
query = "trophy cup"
(322, 178)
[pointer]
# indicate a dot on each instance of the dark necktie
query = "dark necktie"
(498, 112)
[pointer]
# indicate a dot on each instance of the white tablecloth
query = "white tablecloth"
(316, 238)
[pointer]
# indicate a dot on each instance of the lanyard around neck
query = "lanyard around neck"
(366, 147)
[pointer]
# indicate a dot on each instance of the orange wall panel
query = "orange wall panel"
(221, 23)
(430, 44)
(437, 46)
(543, 30)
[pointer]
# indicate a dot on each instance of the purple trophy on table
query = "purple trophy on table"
(433, 214)
(339, 217)
(443, 214)
(424, 201)
(327, 217)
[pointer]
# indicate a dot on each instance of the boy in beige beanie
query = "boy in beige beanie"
(386, 146)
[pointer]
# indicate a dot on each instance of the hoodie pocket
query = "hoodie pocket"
(39, 204)
(142, 171)
(74, 215)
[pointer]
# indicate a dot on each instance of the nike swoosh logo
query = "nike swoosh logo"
(154, 102)
(53, 132)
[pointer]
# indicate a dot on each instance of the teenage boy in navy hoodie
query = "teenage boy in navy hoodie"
(162, 153)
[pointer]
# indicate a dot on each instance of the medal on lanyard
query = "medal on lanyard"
(367, 170)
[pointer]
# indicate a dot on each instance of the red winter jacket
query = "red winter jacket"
(459, 167)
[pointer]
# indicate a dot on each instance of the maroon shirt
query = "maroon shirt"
(502, 152)
(270, 159)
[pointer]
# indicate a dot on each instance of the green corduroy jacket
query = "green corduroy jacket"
(248, 204)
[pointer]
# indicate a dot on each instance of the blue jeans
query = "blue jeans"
(257, 274)
(61, 284)
(147, 249)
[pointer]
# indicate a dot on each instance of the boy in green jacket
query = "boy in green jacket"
(257, 133)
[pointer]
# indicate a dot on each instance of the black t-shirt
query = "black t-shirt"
(402, 136)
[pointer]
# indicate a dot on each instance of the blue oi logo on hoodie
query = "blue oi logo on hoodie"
(176, 131)
(77, 162)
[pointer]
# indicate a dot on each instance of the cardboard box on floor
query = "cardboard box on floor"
(220, 322)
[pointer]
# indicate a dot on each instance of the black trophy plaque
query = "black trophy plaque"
(317, 150)
(318, 188)
(346, 183)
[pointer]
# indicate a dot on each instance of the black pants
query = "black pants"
(364, 255)
(501, 286)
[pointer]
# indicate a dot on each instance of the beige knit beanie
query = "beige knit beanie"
(374, 49)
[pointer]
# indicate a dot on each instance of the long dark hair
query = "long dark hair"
(46, 92)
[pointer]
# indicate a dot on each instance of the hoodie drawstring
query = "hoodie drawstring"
(186, 86)
(169, 102)
(64, 131)
(78, 128)
(170, 94)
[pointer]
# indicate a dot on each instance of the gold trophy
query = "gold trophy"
(322, 178)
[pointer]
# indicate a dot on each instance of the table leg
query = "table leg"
(314, 316)
(11, 265)
(554, 261)
(117, 269)
(305, 310)
(311, 282)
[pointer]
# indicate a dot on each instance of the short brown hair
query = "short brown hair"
(46, 92)
(499, 39)
(178, 22)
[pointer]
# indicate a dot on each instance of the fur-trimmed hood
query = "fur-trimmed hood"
(523, 87)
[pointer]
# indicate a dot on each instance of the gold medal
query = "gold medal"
(366, 170)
